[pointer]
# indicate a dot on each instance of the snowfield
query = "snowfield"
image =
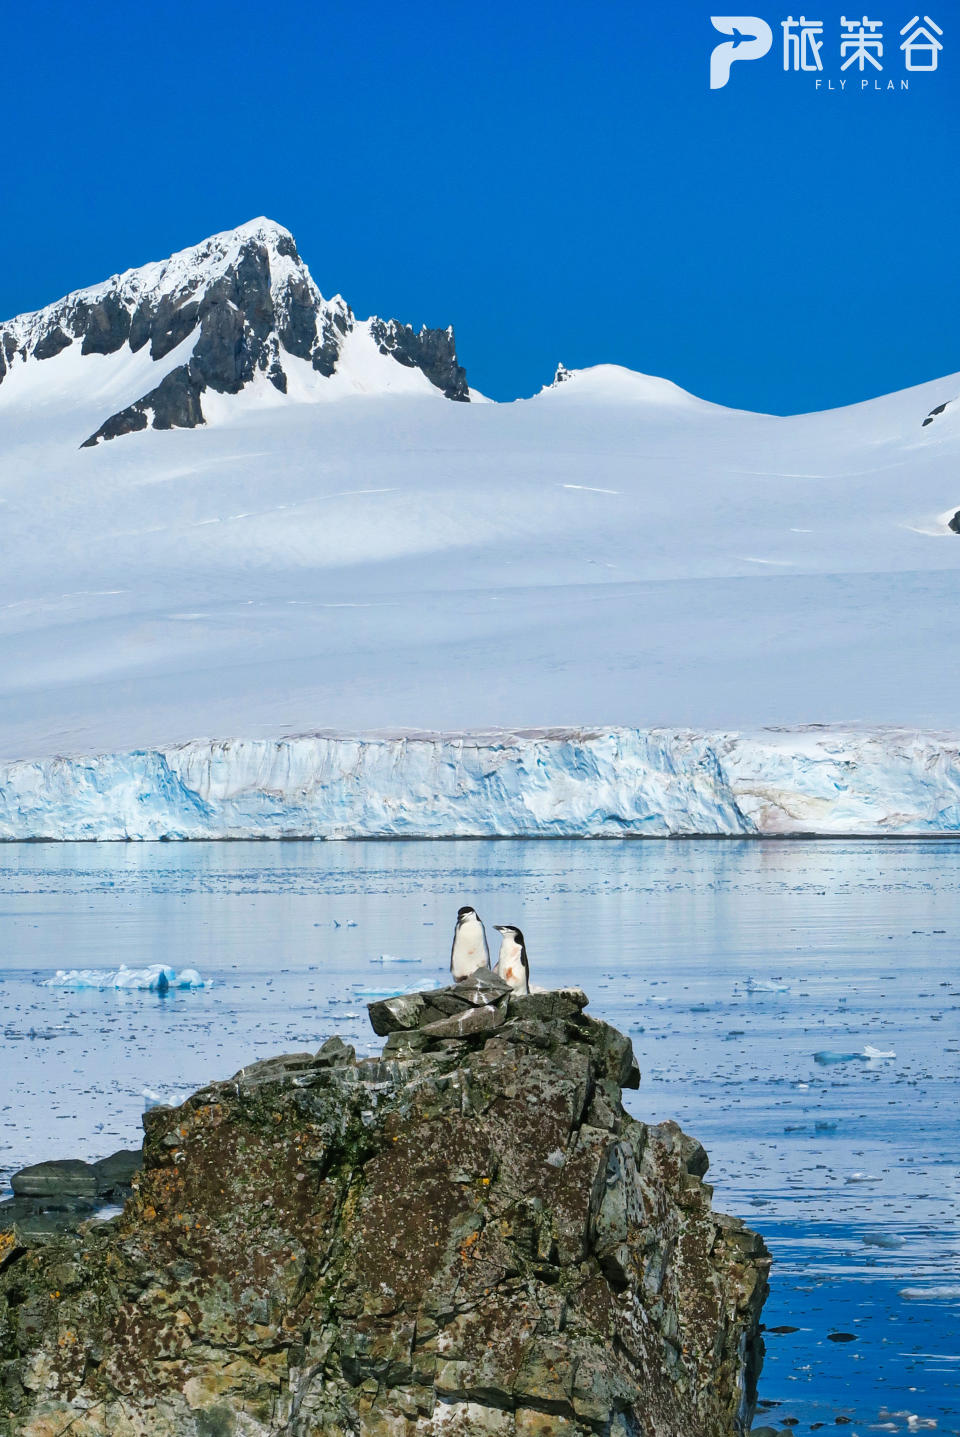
(661, 580)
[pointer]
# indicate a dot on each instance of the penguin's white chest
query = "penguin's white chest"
(510, 965)
(469, 949)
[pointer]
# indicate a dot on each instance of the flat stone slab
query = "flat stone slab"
(468, 1023)
(68, 1177)
(424, 1010)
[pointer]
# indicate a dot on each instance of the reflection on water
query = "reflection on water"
(751, 976)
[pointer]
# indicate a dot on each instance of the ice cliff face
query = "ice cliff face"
(563, 783)
(250, 304)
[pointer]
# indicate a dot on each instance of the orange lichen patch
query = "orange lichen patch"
(467, 1244)
(7, 1243)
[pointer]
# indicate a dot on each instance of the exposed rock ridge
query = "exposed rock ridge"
(249, 300)
(468, 1235)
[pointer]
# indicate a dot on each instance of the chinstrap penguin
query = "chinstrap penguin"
(512, 964)
(469, 951)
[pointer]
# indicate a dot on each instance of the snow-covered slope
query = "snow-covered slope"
(333, 546)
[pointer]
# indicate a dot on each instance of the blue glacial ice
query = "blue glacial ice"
(547, 783)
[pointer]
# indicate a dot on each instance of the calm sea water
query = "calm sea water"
(733, 965)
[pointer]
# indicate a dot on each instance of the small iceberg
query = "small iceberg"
(153, 1099)
(825, 1058)
(949, 1292)
(390, 958)
(765, 985)
(158, 978)
(872, 1053)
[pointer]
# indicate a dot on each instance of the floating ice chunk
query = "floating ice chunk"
(765, 985)
(158, 978)
(825, 1057)
(162, 1100)
(376, 993)
(862, 1178)
(391, 958)
(883, 1239)
(871, 1052)
(948, 1292)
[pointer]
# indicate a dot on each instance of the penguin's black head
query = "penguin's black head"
(509, 930)
(462, 912)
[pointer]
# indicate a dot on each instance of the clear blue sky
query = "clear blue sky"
(555, 179)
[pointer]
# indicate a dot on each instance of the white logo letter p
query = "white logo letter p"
(752, 38)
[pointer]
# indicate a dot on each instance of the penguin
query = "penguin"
(469, 951)
(512, 965)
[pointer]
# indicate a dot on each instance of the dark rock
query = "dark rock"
(563, 1003)
(390, 1015)
(467, 1237)
(174, 404)
(66, 1177)
(482, 986)
(933, 414)
(432, 350)
(118, 1170)
(467, 1023)
(107, 326)
(334, 1052)
(173, 320)
(52, 343)
(954, 523)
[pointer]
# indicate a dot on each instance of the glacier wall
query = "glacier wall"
(654, 783)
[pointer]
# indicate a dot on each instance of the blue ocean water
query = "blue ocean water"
(751, 976)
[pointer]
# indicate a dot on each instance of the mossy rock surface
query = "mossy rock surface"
(468, 1235)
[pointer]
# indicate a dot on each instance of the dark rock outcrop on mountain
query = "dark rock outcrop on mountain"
(247, 300)
(432, 350)
(935, 413)
(468, 1235)
(954, 523)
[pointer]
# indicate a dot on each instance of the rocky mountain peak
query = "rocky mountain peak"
(217, 316)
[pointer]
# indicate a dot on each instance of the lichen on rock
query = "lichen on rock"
(467, 1235)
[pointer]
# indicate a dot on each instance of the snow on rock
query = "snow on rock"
(248, 304)
(601, 783)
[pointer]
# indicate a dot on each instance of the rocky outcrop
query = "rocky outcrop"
(936, 412)
(432, 350)
(467, 1235)
(247, 299)
(55, 1197)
